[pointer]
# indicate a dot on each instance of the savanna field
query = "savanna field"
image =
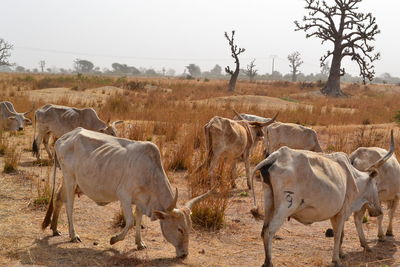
(171, 112)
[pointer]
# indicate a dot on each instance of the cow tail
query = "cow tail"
(35, 148)
(263, 167)
(209, 152)
(47, 218)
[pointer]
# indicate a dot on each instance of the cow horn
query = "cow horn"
(237, 114)
(173, 204)
(116, 122)
(9, 110)
(33, 107)
(194, 200)
(270, 121)
(381, 161)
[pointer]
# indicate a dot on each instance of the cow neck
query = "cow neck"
(250, 138)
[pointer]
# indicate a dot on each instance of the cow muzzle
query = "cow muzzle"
(181, 254)
(20, 129)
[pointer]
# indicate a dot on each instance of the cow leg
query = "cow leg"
(233, 173)
(138, 238)
(126, 203)
(393, 206)
(337, 225)
(247, 167)
(46, 138)
(38, 142)
(358, 217)
(60, 199)
(381, 236)
(70, 186)
(268, 232)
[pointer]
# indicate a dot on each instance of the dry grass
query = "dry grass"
(12, 158)
(172, 115)
(210, 213)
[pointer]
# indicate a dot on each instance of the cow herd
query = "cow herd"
(300, 181)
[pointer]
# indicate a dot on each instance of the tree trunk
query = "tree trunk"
(234, 77)
(294, 76)
(332, 87)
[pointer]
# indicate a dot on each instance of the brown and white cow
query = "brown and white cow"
(311, 187)
(388, 183)
(58, 120)
(10, 119)
(107, 169)
(233, 140)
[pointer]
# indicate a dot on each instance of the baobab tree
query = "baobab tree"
(251, 72)
(295, 62)
(235, 53)
(5, 52)
(351, 33)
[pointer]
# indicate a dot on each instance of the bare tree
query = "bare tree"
(235, 53)
(295, 62)
(351, 33)
(5, 52)
(251, 72)
(42, 65)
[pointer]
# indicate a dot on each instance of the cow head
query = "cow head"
(256, 127)
(176, 224)
(110, 128)
(17, 121)
(368, 187)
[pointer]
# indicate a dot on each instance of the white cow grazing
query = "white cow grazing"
(10, 119)
(291, 135)
(108, 169)
(280, 134)
(312, 187)
(388, 183)
(58, 120)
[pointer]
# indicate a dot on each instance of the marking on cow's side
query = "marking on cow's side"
(289, 198)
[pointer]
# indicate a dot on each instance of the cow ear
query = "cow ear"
(11, 118)
(161, 215)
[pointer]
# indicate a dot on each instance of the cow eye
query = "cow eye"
(180, 230)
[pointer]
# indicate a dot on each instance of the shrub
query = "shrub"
(11, 160)
(210, 212)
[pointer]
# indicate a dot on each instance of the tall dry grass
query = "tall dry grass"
(210, 212)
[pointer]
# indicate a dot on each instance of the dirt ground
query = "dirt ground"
(22, 242)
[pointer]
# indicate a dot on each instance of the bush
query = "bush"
(11, 160)
(210, 212)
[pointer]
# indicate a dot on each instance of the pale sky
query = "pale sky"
(175, 33)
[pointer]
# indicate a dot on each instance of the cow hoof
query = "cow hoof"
(342, 255)
(329, 233)
(381, 238)
(56, 233)
(269, 264)
(76, 239)
(389, 233)
(113, 240)
(337, 264)
(141, 245)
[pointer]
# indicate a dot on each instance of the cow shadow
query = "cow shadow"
(41, 252)
(382, 253)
